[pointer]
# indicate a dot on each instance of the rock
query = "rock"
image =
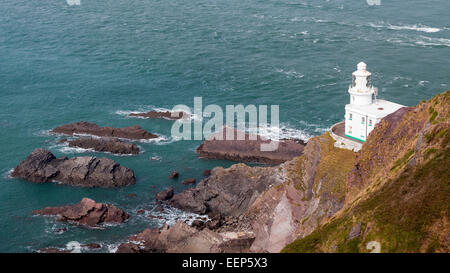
(188, 181)
(60, 230)
(198, 224)
(128, 248)
(355, 232)
(165, 194)
(91, 246)
(53, 250)
(174, 174)
(181, 238)
(206, 172)
(247, 149)
(164, 115)
(83, 127)
(87, 213)
(42, 166)
(110, 145)
(227, 191)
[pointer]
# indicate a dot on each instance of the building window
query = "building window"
(363, 120)
(370, 122)
(349, 129)
(351, 116)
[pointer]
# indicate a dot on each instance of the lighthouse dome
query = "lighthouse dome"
(361, 66)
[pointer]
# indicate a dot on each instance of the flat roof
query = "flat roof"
(378, 109)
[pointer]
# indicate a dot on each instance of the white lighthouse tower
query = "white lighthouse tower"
(363, 112)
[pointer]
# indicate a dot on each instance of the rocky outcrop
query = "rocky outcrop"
(182, 238)
(165, 194)
(42, 166)
(132, 132)
(277, 204)
(110, 145)
(188, 181)
(227, 191)
(164, 115)
(249, 149)
(87, 213)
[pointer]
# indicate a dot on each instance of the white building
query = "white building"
(364, 111)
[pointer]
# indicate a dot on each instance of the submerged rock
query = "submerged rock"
(165, 194)
(42, 166)
(110, 145)
(188, 181)
(174, 175)
(87, 212)
(158, 114)
(83, 127)
(249, 149)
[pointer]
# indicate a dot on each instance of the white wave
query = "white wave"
(429, 41)
(8, 173)
(160, 140)
(281, 132)
(146, 109)
(169, 215)
(419, 27)
(290, 73)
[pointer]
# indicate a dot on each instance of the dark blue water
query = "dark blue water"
(101, 59)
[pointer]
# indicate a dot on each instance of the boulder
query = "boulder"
(165, 194)
(174, 175)
(42, 166)
(83, 127)
(87, 213)
(188, 181)
(111, 145)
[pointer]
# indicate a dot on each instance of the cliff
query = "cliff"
(391, 196)
(398, 193)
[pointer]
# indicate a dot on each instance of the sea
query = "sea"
(64, 61)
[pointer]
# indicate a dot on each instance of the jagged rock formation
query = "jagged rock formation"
(83, 127)
(42, 166)
(227, 191)
(110, 145)
(217, 146)
(157, 114)
(87, 213)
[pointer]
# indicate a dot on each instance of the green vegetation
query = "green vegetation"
(402, 161)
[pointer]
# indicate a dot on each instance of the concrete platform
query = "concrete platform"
(337, 132)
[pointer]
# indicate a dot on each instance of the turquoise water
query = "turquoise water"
(98, 60)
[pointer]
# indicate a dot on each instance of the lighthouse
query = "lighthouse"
(364, 110)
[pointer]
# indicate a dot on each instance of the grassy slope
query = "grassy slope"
(400, 193)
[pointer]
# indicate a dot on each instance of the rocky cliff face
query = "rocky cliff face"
(398, 192)
(392, 196)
